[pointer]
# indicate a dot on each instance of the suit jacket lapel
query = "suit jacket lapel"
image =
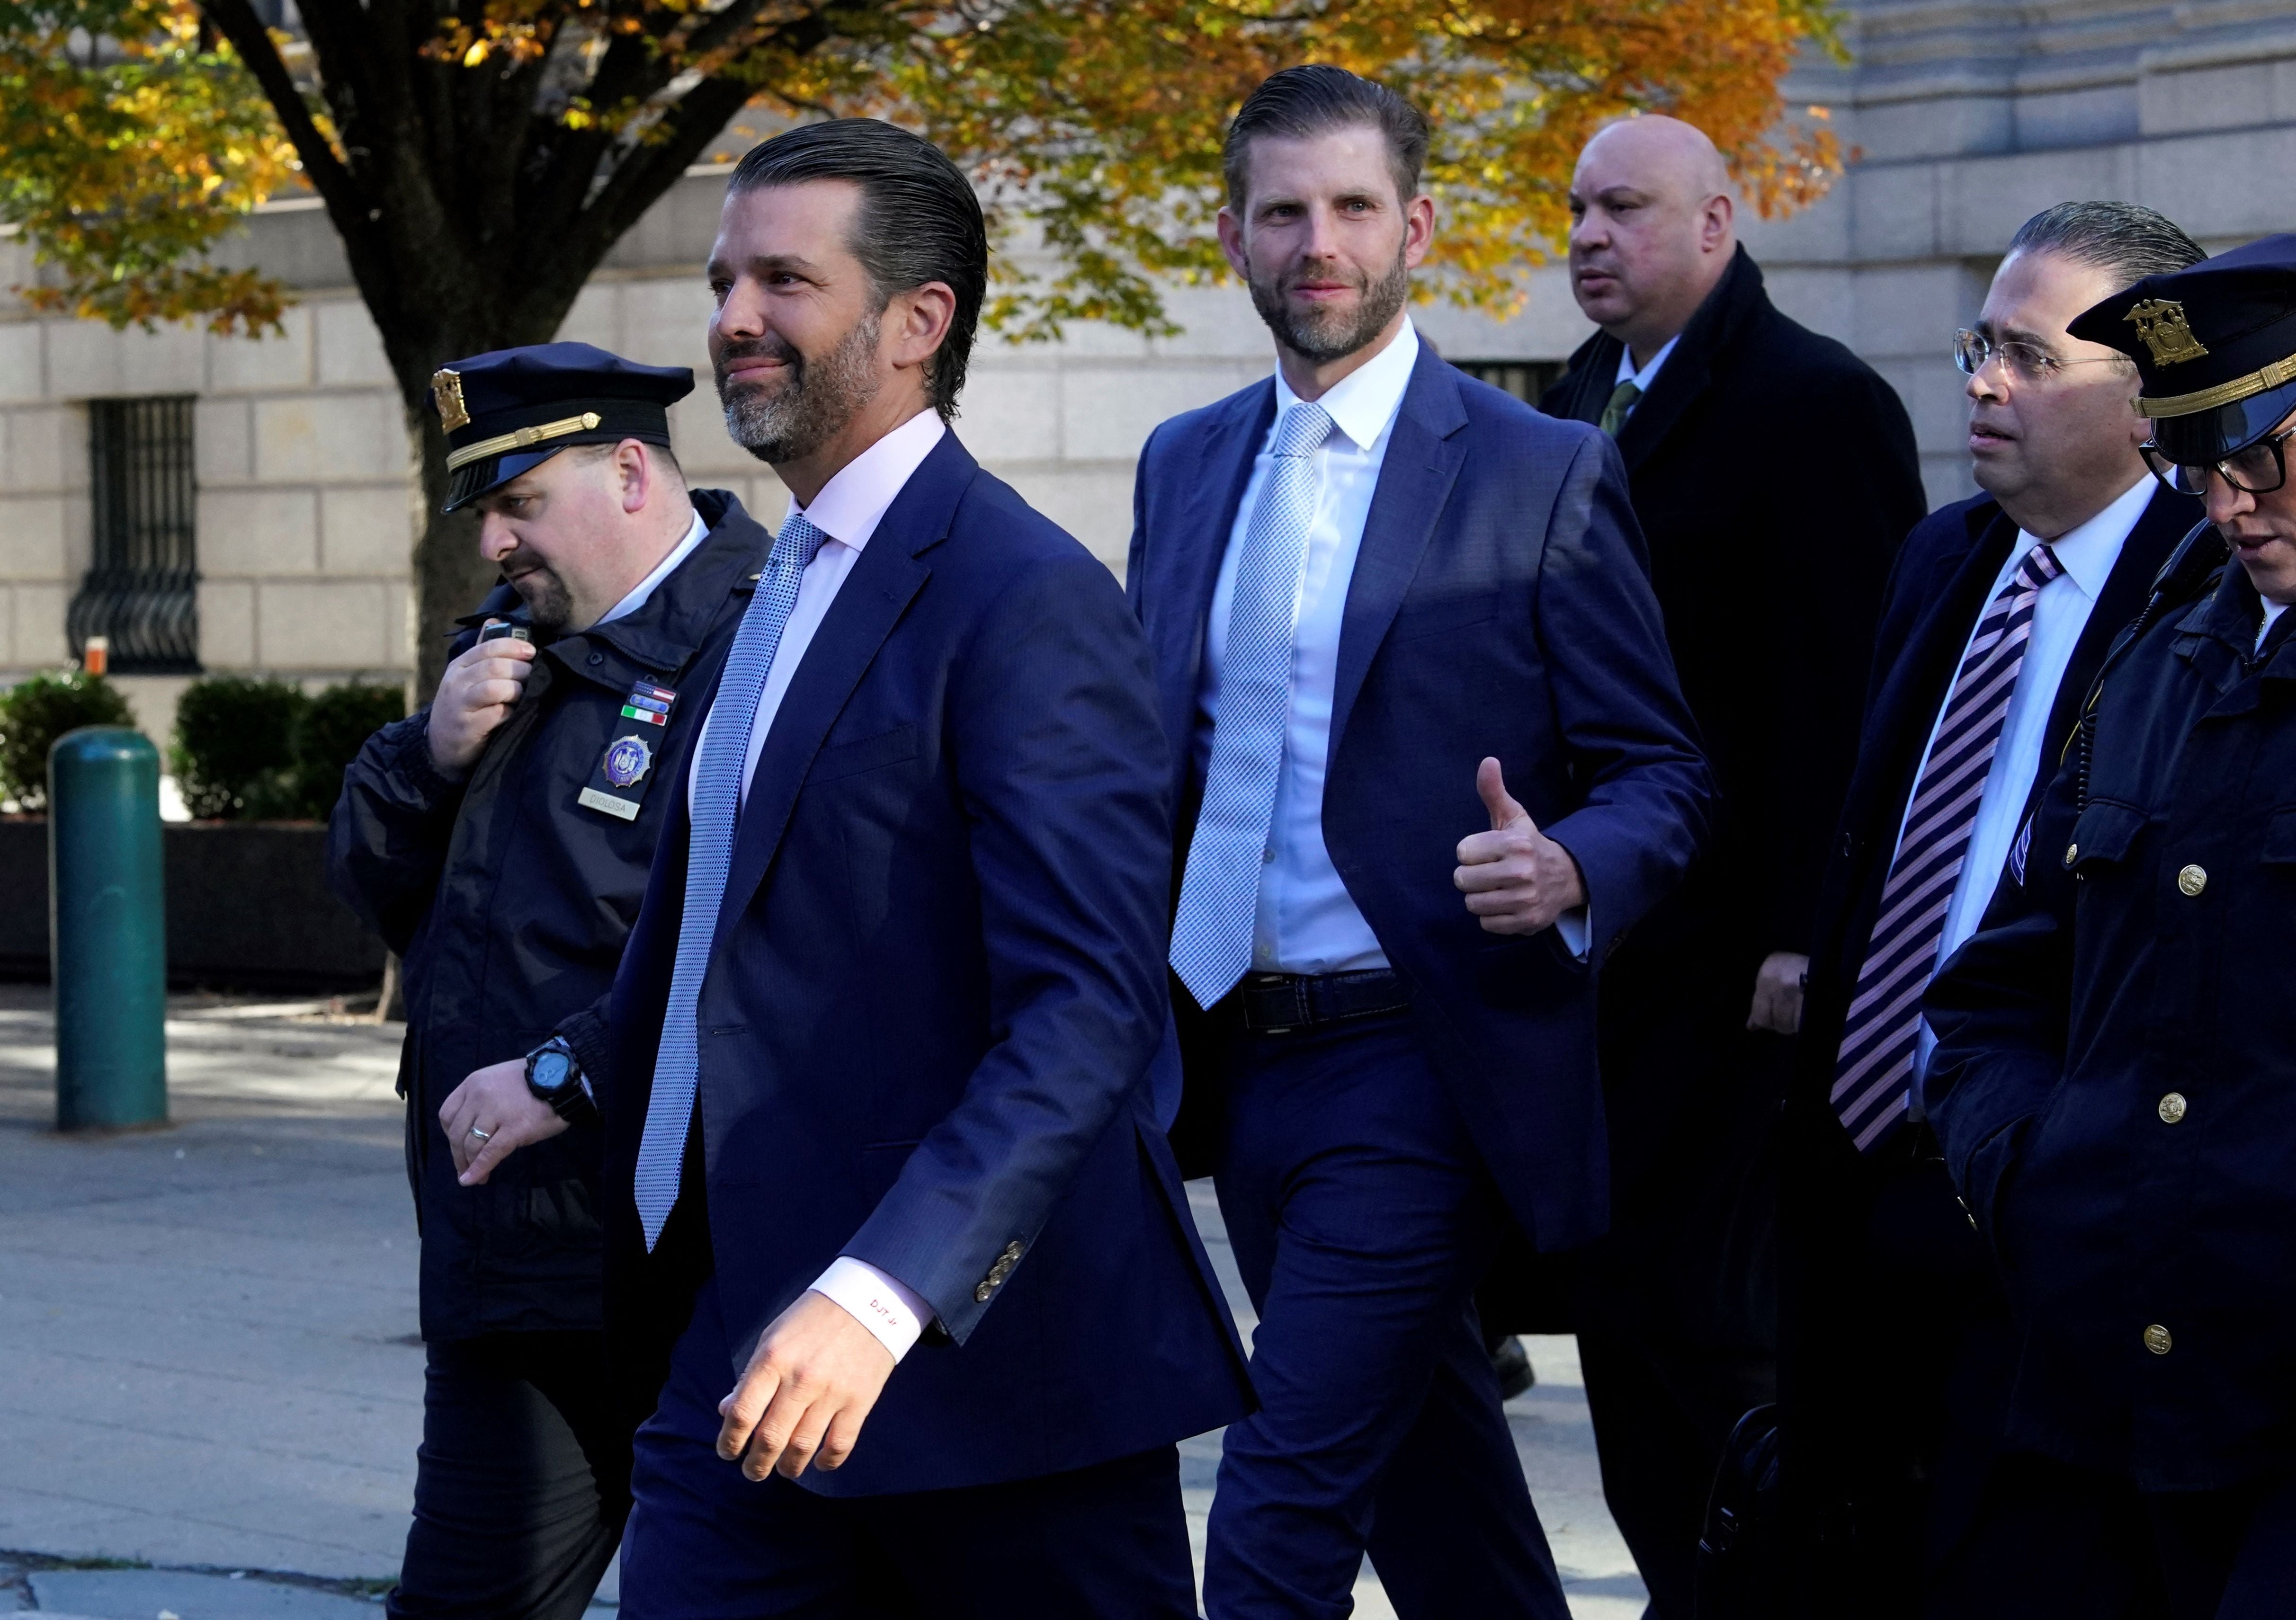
(1958, 589)
(1186, 564)
(2166, 520)
(1414, 481)
(885, 578)
(1585, 389)
(1687, 371)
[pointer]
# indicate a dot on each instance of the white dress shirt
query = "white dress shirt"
(848, 509)
(1307, 922)
(696, 532)
(2272, 611)
(2060, 614)
(1648, 375)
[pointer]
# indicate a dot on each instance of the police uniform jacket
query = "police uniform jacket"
(509, 901)
(2115, 1081)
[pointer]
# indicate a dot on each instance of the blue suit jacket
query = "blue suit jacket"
(1500, 606)
(934, 1001)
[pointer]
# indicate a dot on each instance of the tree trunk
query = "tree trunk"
(450, 577)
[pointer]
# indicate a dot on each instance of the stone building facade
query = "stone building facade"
(1968, 116)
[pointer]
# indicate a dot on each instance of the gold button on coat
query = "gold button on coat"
(2191, 879)
(2072, 853)
(2172, 1107)
(2157, 1339)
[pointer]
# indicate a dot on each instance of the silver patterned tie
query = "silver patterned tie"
(716, 808)
(1219, 891)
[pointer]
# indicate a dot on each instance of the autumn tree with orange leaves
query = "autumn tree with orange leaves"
(479, 158)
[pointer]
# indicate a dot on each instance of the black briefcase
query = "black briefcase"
(1739, 1572)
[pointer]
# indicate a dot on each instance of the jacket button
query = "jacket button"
(2172, 1107)
(2157, 1339)
(2192, 881)
(2072, 853)
(1012, 1251)
(981, 1294)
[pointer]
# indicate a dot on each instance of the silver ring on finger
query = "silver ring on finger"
(481, 1137)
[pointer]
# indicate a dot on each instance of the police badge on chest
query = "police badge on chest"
(619, 780)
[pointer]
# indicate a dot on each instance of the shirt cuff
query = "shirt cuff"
(1576, 928)
(890, 1311)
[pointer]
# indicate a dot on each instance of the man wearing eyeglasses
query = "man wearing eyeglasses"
(2114, 1085)
(1997, 614)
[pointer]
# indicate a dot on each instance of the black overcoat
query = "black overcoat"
(2114, 1085)
(1775, 474)
(509, 903)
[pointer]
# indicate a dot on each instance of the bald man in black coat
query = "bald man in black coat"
(1775, 474)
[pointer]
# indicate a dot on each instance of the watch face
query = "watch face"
(550, 1070)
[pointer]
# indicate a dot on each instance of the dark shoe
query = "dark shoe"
(1511, 1362)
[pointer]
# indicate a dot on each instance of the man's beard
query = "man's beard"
(1322, 334)
(547, 603)
(814, 401)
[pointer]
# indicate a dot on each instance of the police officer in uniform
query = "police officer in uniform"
(500, 839)
(2114, 1085)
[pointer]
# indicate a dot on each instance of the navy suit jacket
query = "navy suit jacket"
(934, 1002)
(1500, 606)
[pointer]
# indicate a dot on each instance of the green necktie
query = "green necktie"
(1622, 400)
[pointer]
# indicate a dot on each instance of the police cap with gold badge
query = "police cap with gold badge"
(2215, 345)
(513, 409)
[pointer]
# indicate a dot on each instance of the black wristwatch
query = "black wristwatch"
(553, 1075)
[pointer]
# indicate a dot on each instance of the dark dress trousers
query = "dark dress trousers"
(1896, 1335)
(1774, 474)
(1498, 607)
(929, 1036)
(2114, 1089)
(509, 903)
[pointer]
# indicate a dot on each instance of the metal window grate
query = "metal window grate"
(1526, 379)
(142, 588)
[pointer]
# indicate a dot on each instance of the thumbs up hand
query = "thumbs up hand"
(1516, 878)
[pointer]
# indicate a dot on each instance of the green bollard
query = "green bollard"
(107, 932)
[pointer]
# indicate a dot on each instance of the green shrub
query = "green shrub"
(234, 752)
(35, 713)
(328, 735)
(260, 750)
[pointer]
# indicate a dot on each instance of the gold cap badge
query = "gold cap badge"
(2161, 324)
(446, 393)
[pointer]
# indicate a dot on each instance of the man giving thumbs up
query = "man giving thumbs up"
(1516, 878)
(1363, 576)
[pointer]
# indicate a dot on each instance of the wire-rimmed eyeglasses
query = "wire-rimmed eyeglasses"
(2026, 361)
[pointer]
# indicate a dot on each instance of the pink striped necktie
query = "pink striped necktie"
(1872, 1078)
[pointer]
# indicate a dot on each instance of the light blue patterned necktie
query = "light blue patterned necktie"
(1219, 892)
(716, 808)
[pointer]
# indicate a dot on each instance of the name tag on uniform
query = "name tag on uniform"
(618, 784)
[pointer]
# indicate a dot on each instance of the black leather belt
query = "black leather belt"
(1277, 1004)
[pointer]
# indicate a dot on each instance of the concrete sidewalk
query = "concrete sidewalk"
(208, 1353)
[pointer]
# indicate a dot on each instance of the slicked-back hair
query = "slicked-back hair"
(1299, 103)
(919, 221)
(2127, 241)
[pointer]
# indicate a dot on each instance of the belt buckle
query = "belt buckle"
(1290, 989)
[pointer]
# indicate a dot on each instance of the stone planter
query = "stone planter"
(248, 908)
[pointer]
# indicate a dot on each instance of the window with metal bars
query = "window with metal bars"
(142, 589)
(1526, 379)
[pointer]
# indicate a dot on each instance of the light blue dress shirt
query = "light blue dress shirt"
(2060, 614)
(1307, 922)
